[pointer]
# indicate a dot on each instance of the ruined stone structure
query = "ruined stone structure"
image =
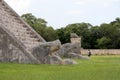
(74, 38)
(17, 38)
(76, 41)
(73, 49)
(20, 43)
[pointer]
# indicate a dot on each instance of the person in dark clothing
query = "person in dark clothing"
(89, 53)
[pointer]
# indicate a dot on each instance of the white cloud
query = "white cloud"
(83, 2)
(110, 3)
(106, 5)
(113, 0)
(74, 12)
(79, 2)
(19, 5)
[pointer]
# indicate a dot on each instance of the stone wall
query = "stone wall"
(21, 44)
(18, 27)
(101, 51)
(10, 51)
(76, 40)
(17, 38)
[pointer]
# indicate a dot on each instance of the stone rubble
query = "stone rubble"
(21, 44)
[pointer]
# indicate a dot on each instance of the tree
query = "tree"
(117, 20)
(81, 29)
(107, 35)
(103, 43)
(40, 26)
(50, 34)
(61, 35)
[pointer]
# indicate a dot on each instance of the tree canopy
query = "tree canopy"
(40, 26)
(105, 36)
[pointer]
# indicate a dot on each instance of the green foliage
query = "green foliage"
(103, 36)
(50, 34)
(103, 43)
(78, 28)
(40, 26)
(97, 68)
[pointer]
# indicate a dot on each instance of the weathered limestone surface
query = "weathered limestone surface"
(20, 43)
(53, 59)
(19, 28)
(77, 56)
(69, 48)
(73, 49)
(17, 38)
(69, 61)
(74, 35)
(45, 51)
(10, 51)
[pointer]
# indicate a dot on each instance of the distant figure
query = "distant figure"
(89, 53)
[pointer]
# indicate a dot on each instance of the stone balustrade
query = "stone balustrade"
(19, 29)
(101, 51)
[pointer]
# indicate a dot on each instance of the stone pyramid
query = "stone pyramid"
(21, 44)
(17, 38)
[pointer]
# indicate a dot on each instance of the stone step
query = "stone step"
(26, 38)
(18, 28)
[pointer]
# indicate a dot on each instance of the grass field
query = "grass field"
(97, 68)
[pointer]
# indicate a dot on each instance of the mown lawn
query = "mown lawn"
(97, 68)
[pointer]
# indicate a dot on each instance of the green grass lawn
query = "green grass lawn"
(97, 68)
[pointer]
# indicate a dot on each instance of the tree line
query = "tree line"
(104, 36)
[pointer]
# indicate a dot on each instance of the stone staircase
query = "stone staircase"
(20, 43)
(20, 29)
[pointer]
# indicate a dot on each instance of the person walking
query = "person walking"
(89, 53)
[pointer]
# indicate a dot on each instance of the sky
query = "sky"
(59, 13)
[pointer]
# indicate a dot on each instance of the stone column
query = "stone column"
(76, 41)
